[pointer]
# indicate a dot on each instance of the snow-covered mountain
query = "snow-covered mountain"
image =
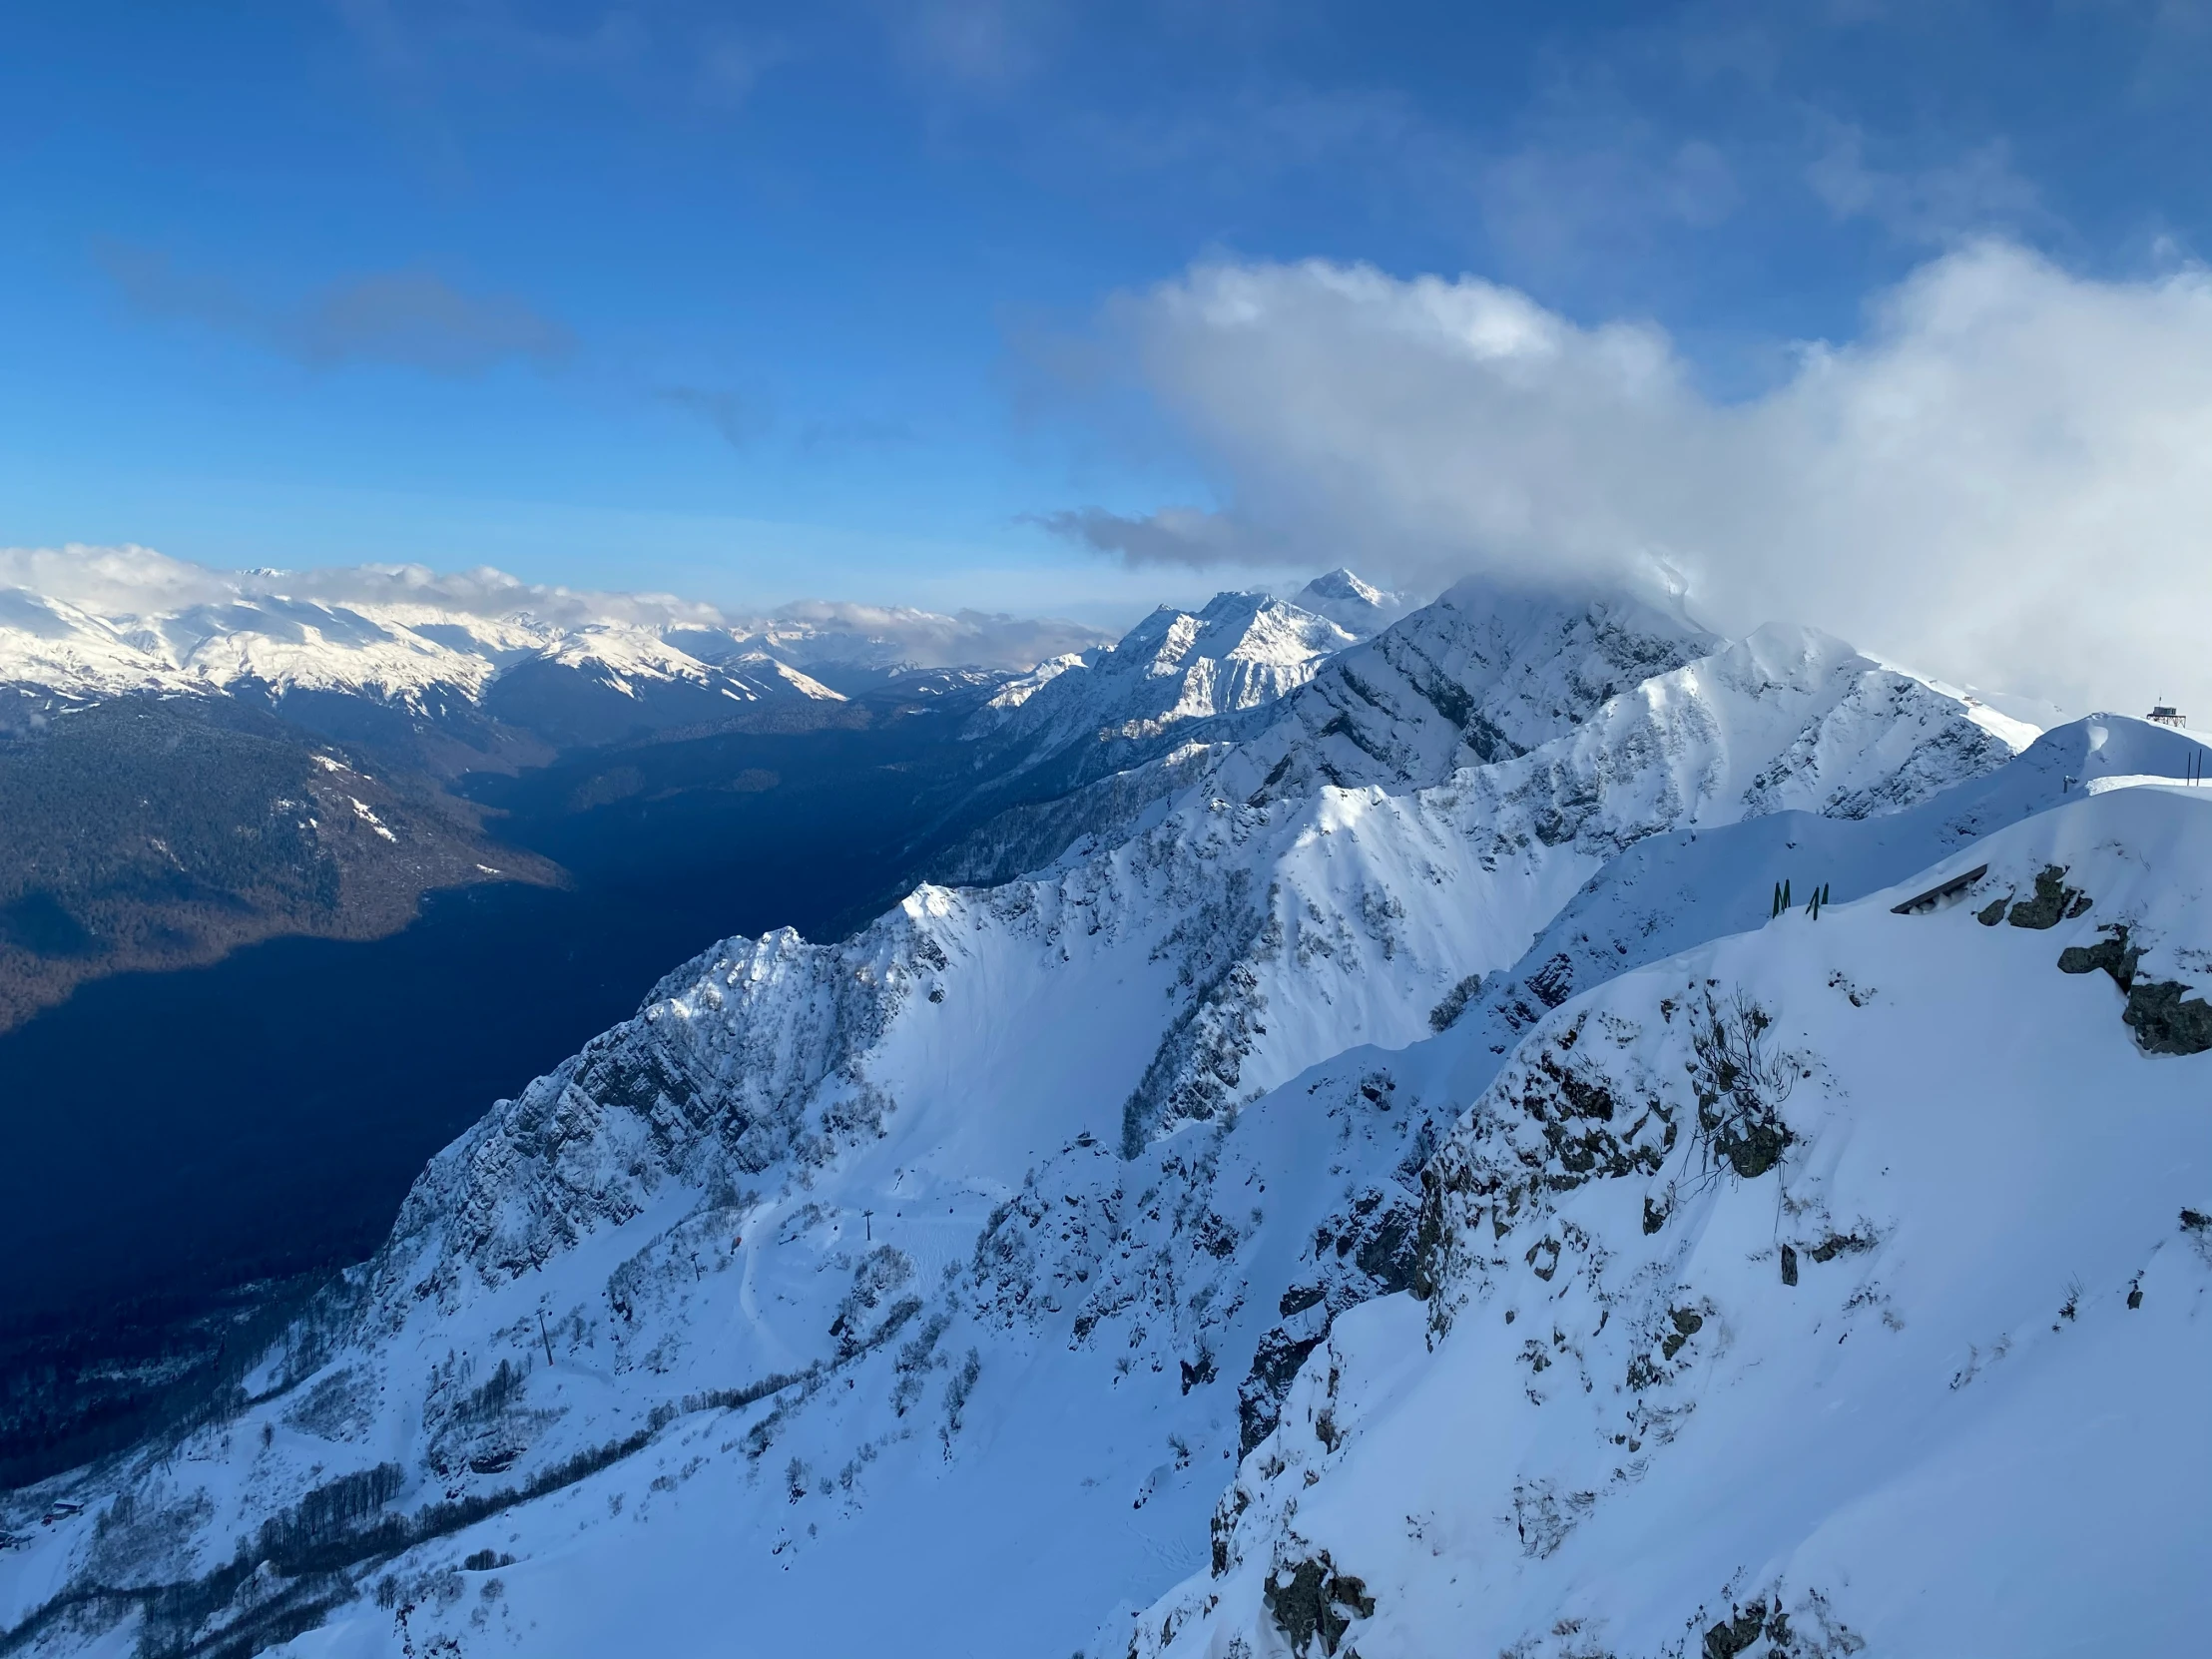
(51, 644)
(1439, 690)
(1087, 742)
(599, 684)
(1359, 607)
(1484, 673)
(588, 668)
(854, 646)
(987, 1247)
(591, 668)
(417, 655)
(1241, 652)
(1836, 1287)
(189, 813)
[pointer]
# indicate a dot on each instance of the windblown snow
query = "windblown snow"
(1410, 1188)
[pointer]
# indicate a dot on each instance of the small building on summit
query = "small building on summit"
(2165, 714)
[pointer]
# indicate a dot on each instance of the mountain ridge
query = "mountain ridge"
(1132, 1141)
(1934, 1269)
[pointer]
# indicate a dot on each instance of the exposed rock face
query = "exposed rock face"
(2165, 1019)
(1368, 1247)
(1703, 1202)
(1085, 716)
(440, 647)
(1401, 709)
(1479, 676)
(1057, 1202)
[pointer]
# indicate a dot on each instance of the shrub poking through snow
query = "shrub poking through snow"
(1741, 1080)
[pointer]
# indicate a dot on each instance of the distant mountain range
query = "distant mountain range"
(570, 669)
(495, 682)
(1526, 1128)
(171, 774)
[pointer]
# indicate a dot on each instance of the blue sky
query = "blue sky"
(759, 302)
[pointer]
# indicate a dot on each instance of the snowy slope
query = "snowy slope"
(417, 657)
(626, 658)
(625, 1327)
(1243, 650)
(1359, 607)
(1839, 1287)
(1482, 674)
(436, 646)
(402, 654)
(599, 684)
(844, 641)
(55, 646)
(412, 655)
(1670, 891)
(1435, 691)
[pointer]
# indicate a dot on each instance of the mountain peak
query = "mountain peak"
(94, 621)
(781, 1285)
(1241, 650)
(1482, 672)
(1357, 605)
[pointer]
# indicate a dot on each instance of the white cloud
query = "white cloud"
(1977, 193)
(1554, 206)
(2005, 478)
(982, 43)
(845, 632)
(482, 592)
(113, 581)
(130, 582)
